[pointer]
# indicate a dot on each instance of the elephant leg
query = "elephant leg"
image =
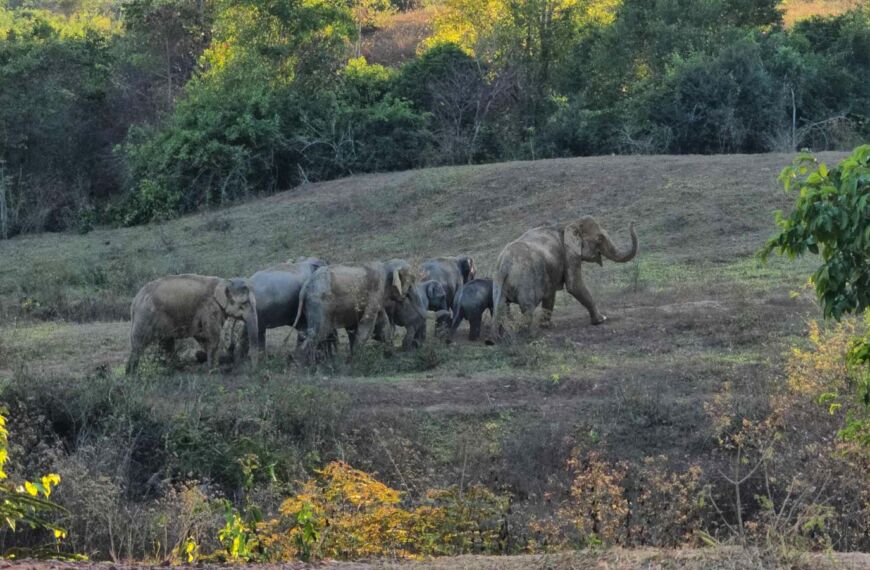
(364, 330)
(306, 348)
(211, 358)
(388, 331)
(167, 346)
(351, 336)
(140, 338)
(380, 333)
(330, 345)
(133, 360)
(474, 320)
(415, 336)
(528, 318)
(261, 339)
(547, 311)
(579, 291)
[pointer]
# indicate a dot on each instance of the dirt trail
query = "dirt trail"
(615, 559)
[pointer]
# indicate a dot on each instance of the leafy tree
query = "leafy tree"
(831, 218)
(55, 130)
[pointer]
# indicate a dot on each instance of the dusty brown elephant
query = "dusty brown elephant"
(351, 297)
(531, 269)
(189, 306)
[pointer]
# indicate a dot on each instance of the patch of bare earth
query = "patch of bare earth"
(615, 559)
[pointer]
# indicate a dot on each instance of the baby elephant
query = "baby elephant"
(472, 300)
(185, 306)
(411, 314)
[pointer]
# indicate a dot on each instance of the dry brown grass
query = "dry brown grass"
(797, 10)
(398, 39)
(611, 559)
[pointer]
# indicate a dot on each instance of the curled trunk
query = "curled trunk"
(610, 252)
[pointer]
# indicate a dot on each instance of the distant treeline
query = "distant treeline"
(124, 112)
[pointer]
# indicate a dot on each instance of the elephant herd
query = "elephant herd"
(368, 300)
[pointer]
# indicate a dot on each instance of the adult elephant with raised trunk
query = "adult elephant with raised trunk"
(189, 306)
(531, 269)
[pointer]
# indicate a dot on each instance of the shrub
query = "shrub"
(346, 513)
(26, 504)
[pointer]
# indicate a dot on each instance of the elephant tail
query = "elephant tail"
(299, 311)
(457, 309)
(497, 291)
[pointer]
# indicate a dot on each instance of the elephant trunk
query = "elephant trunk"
(253, 330)
(610, 252)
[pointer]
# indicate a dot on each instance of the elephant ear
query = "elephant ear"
(573, 242)
(466, 267)
(221, 294)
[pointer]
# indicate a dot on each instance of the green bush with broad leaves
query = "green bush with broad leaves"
(831, 218)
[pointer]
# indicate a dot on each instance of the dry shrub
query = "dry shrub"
(104, 522)
(597, 508)
(788, 482)
(346, 513)
(617, 503)
(667, 509)
(454, 521)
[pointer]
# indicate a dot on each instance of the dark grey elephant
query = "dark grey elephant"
(277, 292)
(451, 272)
(472, 301)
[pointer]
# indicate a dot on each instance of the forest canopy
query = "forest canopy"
(121, 113)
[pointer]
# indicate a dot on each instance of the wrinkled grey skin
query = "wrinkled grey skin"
(432, 294)
(451, 272)
(473, 299)
(531, 269)
(410, 313)
(353, 298)
(189, 306)
(277, 292)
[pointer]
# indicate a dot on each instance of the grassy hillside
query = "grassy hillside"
(695, 295)
(694, 317)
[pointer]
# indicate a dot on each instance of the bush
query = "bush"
(347, 514)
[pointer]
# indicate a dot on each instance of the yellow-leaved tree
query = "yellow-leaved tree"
(27, 503)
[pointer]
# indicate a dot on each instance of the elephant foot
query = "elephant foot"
(599, 319)
(547, 324)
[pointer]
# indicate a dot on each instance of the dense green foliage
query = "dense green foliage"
(125, 114)
(831, 218)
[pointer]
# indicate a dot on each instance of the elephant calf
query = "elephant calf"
(473, 299)
(189, 306)
(350, 297)
(410, 313)
(450, 272)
